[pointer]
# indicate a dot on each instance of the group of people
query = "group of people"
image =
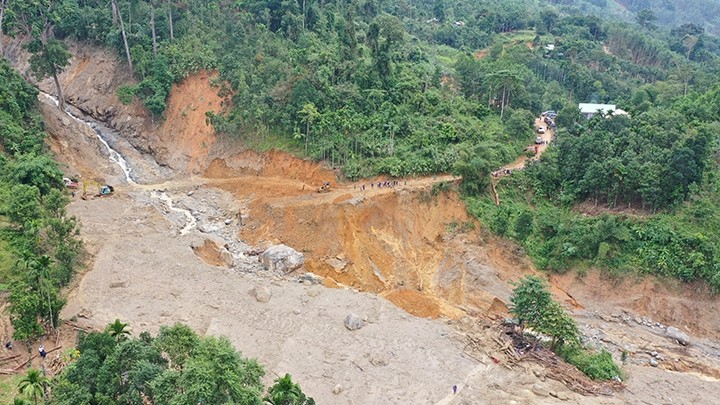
(381, 184)
(501, 172)
(41, 349)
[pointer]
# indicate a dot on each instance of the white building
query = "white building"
(589, 110)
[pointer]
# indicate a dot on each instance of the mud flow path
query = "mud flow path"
(184, 250)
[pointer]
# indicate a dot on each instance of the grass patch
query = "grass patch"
(8, 388)
(596, 365)
(7, 262)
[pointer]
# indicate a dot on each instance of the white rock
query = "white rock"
(282, 259)
(261, 293)
(353, 322)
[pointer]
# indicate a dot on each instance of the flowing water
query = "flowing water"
(118, 159)
(113, 155)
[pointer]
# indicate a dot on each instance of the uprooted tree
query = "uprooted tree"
(534, 308)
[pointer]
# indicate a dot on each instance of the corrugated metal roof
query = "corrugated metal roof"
(593, 108)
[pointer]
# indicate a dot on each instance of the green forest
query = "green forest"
(38, 246)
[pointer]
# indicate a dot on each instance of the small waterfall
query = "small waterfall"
(114, 155)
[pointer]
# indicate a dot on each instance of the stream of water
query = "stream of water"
(113, 155)
(118, 159)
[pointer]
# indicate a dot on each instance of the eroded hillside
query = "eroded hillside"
(413, 244)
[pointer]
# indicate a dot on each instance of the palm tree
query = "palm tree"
(118, 330)
(39, 271)
(33, 385)
(285, 392)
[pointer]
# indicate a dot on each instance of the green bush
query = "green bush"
(126, 93)
(596, 365)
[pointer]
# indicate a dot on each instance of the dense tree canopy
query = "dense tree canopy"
(175, 367)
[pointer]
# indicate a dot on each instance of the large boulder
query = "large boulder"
(282, 259)
(677, 335)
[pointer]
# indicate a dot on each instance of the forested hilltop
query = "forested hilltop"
(411, 88)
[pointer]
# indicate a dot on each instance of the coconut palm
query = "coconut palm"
(33, 385)
(285, 392)
(118, 330)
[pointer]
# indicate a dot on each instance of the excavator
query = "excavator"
(104, 190)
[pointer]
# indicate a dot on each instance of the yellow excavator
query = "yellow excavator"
(104, 190)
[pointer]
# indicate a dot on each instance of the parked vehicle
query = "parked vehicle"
(541, 130)
(538, 140)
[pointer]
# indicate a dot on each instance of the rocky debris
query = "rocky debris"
(379, 361)
(227, 257)
(653, 362)
(213, 253)
(313, 279)
(282, 259)
(120, 284)
(208, 228)
(560, 395)
(261, 293)
(228, 221)
(540, 390)
(313, 292)
(337, 263)
(354, 322)
(677, 335)
(337, 389)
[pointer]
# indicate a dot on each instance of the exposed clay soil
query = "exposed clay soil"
(408, 259)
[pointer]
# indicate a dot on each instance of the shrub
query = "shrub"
(126, 93)
(597, 365)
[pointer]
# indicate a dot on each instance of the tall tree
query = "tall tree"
(286, 392)
(118, 330)
(33, 384)
(49, 58)
(37, 19)
(116, 12)
(3, 5)
(170, 20)
(152, 27)
(646, 19)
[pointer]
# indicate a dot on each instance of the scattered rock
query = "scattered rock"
(353, 322)
(560, 395)
(677, 335)
(261, 293)
(312, 278)
(190, 193)
(307, 283)
(654, 354)
(228, 221)
(379, 361)
(120, 284)
(540, 390)
(653, 362)
(337, 389)
(282, 258)
(313, 292)
(208, 228)
(227, 257)
(337, 263)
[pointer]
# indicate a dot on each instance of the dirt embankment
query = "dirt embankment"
(182, 139)
(411, 243)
